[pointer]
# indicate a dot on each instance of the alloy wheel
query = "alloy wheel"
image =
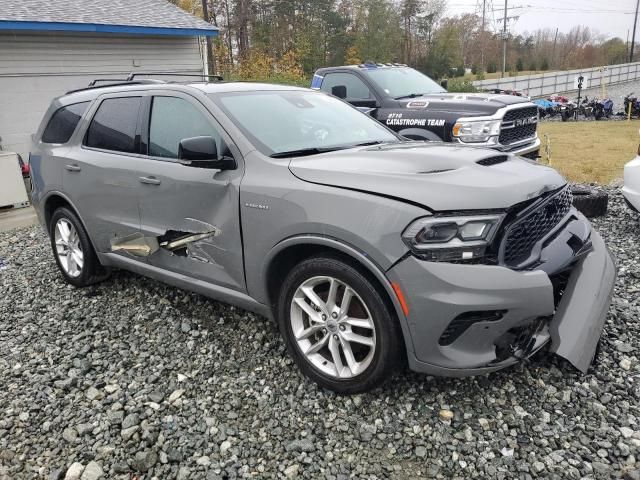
(333, 327)
(68, 248)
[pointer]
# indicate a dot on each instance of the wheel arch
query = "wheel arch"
(56, 200)
(420, 134)
(285, 255)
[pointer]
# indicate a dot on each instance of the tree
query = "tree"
(316, 33)
(445, 52)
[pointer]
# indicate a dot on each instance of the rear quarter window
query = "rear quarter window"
(63, 123)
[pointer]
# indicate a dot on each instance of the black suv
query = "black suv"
(416, 107)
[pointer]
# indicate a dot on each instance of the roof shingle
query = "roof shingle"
(135, 13)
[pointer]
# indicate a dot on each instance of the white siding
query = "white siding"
(35, 68)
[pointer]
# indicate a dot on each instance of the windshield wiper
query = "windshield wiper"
(373, 142)
(410, 95)
(305, 152)
(315, 150)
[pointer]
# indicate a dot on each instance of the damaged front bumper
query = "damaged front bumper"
(471, 319)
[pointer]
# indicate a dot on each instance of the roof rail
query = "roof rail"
(176, 74)
(115, 83)
(131, 80)
(93, 82)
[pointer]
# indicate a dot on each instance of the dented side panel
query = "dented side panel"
(194, 215)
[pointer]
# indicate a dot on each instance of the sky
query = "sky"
(611, 18)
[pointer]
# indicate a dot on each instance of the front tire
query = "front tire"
(73, 251)
(337, 326)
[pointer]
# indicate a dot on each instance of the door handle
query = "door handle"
(72, 168)
(150, 181)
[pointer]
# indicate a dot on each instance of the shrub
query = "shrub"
(458, 85)
(257, 65)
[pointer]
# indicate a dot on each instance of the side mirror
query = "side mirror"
(444, 84)
(370, 103)
(339, 91)
(202, 152)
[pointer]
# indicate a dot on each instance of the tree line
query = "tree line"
(289, 39)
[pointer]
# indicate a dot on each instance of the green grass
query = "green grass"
(590, 151)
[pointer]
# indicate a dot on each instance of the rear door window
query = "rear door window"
(63, 123)
(114, 125)
(173, 119)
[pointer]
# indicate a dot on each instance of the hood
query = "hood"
(436, 176)
(465, 104)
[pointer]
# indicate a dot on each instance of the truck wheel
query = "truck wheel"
(73, 251)
(590, 201)
(337, 326)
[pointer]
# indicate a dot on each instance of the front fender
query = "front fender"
(354, 253)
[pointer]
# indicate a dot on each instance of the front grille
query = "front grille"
(525, 232)
(517, 132)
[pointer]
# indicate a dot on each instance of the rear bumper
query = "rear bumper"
(530, 314)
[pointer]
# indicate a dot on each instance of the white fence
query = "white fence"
(545, 84)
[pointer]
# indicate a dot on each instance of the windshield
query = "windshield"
(403, 82)
(286, 121)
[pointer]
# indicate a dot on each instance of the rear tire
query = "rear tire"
(337, 326)
(592, 202)
(73, 251)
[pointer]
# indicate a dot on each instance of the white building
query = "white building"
(48, 47)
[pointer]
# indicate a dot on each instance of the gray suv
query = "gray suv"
(368, 250)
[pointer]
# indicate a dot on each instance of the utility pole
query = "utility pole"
(211, 61)
(633, 36)
(504, 41)
(553, 52)
(626, 45)
(484, 6)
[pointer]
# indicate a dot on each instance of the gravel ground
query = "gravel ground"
(135, 379)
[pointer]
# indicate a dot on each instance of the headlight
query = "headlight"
(477, 130)
(451, 239)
